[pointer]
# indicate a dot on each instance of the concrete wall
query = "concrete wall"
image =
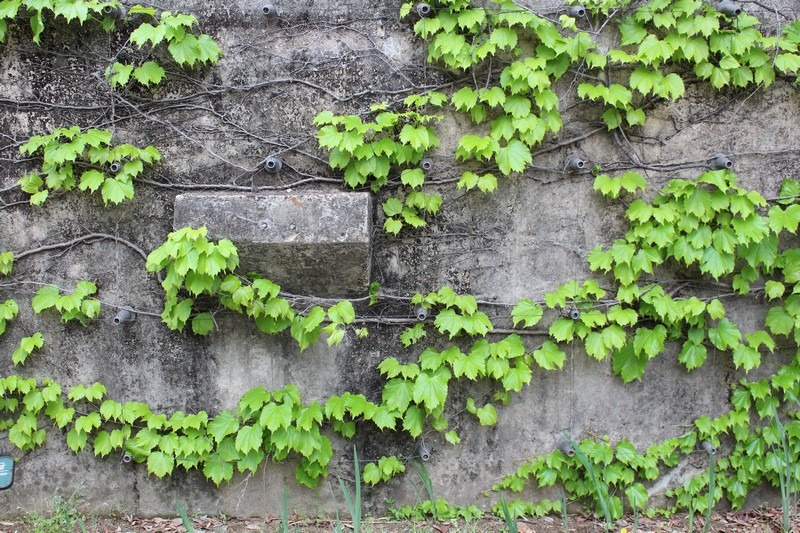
(214, 126)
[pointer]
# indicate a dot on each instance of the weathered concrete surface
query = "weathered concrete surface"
(317, 243)
(530, 235)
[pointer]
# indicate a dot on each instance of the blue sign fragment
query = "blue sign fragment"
(6, 471)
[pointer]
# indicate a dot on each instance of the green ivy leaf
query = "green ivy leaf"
(649, 342)
(487, 415)
(787, 63)
(562, 329)
(225, 423)
(471, 365)
(276, 416)
(398, 394)
(208, 49)
(627, 364)
(549, 356)
(464, 99)
(726, 335)
(637, 496)
(46, 297)
(149, 73)
(91, 180)
(216, 469)
(76, 9)
(393, 226)
(416, 136)
(526, 312)
(513, 157)
(596, 346)
(693, 355)
(202, 324)
(412, 335)
(430, 388)
(411, 177)
(745, 356)
(116, 190)
(185, 51)
(160, 464)
(76, 440)
(392, 207)
(518, 376)
(452, 437)
(249, 438)
(413, 421)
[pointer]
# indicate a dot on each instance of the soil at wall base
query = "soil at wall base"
(766, 520)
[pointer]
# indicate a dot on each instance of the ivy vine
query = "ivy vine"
(709, 227)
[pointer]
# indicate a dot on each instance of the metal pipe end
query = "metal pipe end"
(565, 446)
(421, 312)
(577, 11)
(114, 12)
(424, 10)
(574, 163)
(574, 314)
(114, 167)
(709, 448)
(423, 450)
(273, 164)
(426, 163)
(720, 161)
(125, 314)
(126, 458)
(269, 11)
(729, 8)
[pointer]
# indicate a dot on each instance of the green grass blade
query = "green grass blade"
(184, 518)
(511, 522)
(602, 496)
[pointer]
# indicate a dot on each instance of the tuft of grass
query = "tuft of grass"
(711, 489)
(65, 517)
(601, 491)
(788, 483)
(511, 521)
(354, 503)
(425, 478)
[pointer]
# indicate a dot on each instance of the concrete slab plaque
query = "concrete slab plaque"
(311, 243)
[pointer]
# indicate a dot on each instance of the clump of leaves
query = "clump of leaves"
(75, 306)
(204, 269)
(86, 159)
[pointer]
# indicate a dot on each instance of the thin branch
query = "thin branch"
(78, 240)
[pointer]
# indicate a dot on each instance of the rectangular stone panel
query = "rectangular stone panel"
(312, 243)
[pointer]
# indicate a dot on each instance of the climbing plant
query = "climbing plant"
(86, 159)
(173, 29)
(368, 151)
(708, 227)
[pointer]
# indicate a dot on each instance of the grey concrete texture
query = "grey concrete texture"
(215, 127)
(318, 243)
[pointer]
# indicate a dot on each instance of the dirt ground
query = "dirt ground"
(749, 521)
